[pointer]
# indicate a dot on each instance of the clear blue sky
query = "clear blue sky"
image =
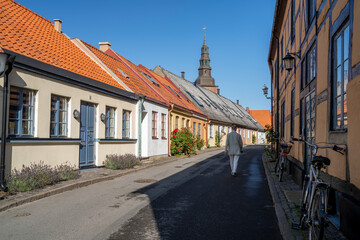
(169, 33)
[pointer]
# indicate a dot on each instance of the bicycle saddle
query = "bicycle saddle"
(321, 159)
(284, 145)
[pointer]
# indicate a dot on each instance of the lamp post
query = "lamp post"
(6, 60)
(265, 90)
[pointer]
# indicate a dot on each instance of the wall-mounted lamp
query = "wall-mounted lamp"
(102, 117)
(289, 60)
(265, 90)
(76, 114)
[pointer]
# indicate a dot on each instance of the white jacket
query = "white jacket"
(234, 143)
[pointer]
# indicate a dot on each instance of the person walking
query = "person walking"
(233, 148)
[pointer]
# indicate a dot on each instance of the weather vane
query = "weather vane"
(204, 34)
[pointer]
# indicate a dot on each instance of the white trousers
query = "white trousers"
(234, 162)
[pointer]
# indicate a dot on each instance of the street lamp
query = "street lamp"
(265, 90)
(6, 60)
(289, 60)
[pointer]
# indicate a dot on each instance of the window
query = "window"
(58, 116)
(282, 120)
(194, 129)
(151, 79)
(282, 53)
(154, 124)
(183, 122)
(311, 4)
(126, 124)
(308, 67)
(211, 126)
(176, 122)
(21, 114)
(311, 65)
(292, 20)
(292, 115)
(196, 100)
(340, 78)
(110, 122)
(199, 129)
(174, 92)
(188, 123)
(301, 118)
(163, 125)
(124, 74)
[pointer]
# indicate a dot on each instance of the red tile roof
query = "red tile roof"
(262, 116)
(162, 87)
(27, 33)
(135, 83)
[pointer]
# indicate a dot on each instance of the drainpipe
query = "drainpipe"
(10, 63)
(142, 99)
(169, 133)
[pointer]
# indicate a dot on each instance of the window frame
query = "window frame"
(282, 125)
(126, 124)
(163, 126)
(108, 128)
(292, 114)
(56, 116)
(154, 129)
(19, 112)
(211, 131)
(340, 33)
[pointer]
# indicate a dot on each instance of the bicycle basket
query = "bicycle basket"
(285, 148)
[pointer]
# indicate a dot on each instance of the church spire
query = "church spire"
(204, 79)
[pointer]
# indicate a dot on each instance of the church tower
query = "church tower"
(205, 79)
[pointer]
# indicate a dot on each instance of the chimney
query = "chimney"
(104, 46)
(237, 101)
(183, 75)
(57, 25)
(247, 109)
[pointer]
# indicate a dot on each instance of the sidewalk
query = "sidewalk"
(286, 196)
(87, 177)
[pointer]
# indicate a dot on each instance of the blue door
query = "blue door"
(87, 134)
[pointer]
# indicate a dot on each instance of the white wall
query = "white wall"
(153, 147)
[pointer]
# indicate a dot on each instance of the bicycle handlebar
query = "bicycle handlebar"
(333, 147)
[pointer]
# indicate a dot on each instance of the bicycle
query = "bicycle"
(315, 194)
(281, 161)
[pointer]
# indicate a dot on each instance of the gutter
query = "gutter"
(9, 63)
(169, 133)
(142, 99)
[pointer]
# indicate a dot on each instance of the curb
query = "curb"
(283, 223)
(88, 182)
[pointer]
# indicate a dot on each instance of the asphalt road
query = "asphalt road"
(212, 205)
(192, 198)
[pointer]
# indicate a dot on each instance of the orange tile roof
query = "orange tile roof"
(27, 33)
(262, 116)
(162, 88)
(135, 83)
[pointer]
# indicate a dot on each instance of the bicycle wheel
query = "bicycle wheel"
(276, 168)
(304, 202)
(317, 216)
(281, 169)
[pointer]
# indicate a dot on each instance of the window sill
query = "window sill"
(163, 138)
(154, 137)
(342, 130)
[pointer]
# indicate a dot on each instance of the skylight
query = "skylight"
(124, 74)
(173, 91)
(183, 96)
(207, 103)
(196, 100)
(151, 79)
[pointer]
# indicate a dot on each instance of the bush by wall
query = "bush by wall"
(182, 142)
(115, 161)
(38, 175)
(199, 142)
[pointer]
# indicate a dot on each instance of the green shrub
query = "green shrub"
(67, 172)
(182, 142)
(31, 177)
(115, 161)
(253, 140)
(218, 138)
(199, 142)
(270, 134)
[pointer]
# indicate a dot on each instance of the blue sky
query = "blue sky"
(170, 33)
